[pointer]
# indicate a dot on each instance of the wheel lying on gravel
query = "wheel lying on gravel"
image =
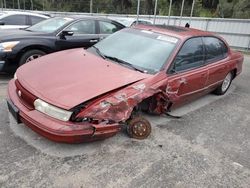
(222, 89)
(138, 128)
(30, 55)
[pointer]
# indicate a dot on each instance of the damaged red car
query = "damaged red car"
(82, 95)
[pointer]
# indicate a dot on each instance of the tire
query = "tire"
(30, 55)
(138, 128)
(222, 89)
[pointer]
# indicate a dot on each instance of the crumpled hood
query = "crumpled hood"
(68, 78)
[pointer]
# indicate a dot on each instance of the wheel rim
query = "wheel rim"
(226, 82)
(32, 57)
(140, 129)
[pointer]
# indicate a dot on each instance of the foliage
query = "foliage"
(204, 8)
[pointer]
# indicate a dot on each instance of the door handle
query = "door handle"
(93, 40)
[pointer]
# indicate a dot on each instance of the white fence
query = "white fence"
(235, 31)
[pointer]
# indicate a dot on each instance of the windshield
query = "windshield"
(49, 25)
(142, 49)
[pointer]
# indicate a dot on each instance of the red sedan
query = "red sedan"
(83, 95)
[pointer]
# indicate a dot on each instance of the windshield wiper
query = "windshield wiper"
(120, 61)
(99, 52)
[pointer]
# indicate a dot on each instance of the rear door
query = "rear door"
(216, 57)
(187, 74)
(85, 35)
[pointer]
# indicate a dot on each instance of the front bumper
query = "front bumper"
(56, 130)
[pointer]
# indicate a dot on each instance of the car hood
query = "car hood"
(68, 78)
(14, 34)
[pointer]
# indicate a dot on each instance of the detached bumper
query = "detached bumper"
(56, 130)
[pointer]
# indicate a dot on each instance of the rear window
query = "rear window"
(215, 49)
(35, 19)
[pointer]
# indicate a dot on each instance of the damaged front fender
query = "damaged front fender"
(119, 106)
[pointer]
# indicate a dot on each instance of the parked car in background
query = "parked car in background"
(128, 22)
(83, 95)
(16, 20)
(18, 47)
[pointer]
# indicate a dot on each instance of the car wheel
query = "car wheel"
(222, 89)
(30, 55)
(138, 128)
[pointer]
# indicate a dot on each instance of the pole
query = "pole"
(18, 4)
(182, 6)
(169, 10)
(4, 3)
(91, 6)
(13, 4)
(24, 4)
(138, 11)
(191, 14)
(155, 10)
(31, 2)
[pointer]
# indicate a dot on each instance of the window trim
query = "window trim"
(170, 68)
(217, 59)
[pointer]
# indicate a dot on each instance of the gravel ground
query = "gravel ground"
(208, 147)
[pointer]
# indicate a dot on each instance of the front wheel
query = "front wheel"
(30, 55)
(222, 89)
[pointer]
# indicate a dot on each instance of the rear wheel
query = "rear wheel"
(30, 55)
(222, 89)
(139, 128)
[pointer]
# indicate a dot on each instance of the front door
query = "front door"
(187, 75)
(85, 35)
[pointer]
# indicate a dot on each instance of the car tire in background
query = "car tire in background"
(222, 89)
(30, 55)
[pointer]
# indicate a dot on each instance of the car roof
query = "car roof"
(7, 13)
(129, 21)
(80, 17)
(176, 31)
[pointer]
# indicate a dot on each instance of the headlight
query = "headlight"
(51, 110)
(8, 46)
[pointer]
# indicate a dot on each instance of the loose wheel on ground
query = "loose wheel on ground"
(139, 128)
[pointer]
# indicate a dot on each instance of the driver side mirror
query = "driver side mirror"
(2, 23)
(66, 33)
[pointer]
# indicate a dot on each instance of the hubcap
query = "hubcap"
(140, 129)
(226, 82)
(32, 57)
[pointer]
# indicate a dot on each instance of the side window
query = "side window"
(35, 19)
(15, 20)
(83, 27)
(190, 56)
(108, 28)
(215, 49)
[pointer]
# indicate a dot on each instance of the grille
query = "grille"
(25, 96)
